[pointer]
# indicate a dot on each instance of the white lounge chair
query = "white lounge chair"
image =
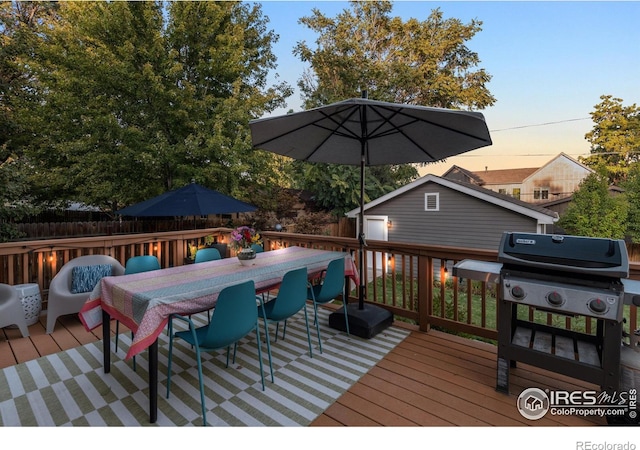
(62, 300)
(11, 312)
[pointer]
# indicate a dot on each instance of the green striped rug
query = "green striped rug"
(70, 388)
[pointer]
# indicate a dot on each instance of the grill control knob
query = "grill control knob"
(517, 292)
(555, 299)
(597, 306)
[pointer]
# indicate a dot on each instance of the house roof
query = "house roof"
(542, 215)
(455, 171)
(515, 176)
(505, 176)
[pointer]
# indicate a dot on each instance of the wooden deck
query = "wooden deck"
(431, 379)
(438, 379)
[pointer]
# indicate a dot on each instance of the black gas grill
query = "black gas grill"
(566, 275)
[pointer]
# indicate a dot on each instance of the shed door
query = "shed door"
(375, 228)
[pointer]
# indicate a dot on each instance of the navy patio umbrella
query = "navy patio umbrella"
(190, 200)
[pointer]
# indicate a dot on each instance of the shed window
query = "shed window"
(432, 201)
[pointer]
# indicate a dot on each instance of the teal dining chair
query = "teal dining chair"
(142, 263)
(257, 248)
(291, 298)
(234, 317)
(137, 264)
(332, 285)
(207, 254)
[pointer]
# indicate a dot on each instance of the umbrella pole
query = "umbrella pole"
(369, 321)
(361, 240)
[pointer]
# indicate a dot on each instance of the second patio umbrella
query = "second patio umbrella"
(190, 200)
(365, 132)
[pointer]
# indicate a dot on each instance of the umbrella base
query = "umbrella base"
(364, 323)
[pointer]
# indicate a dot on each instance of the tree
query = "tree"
(18, 21)
(425, 63)
(12, 198)
(413, 62)
(337, 187)
(631, 186)
(142, 97)
(594, 211)
(615, 138)
(18, 24)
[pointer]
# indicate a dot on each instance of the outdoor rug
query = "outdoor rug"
(71, 389)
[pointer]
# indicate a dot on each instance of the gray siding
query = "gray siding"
(462, 221)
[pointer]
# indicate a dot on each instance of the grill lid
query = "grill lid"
(577, 254)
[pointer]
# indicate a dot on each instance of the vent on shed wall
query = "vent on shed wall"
(432, 201)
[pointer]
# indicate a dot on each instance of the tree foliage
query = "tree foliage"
(137, 98)
(595, 212)
(413, 62)
(337, 188)
(17, 24)
(13, 198)
(631, 187)
(614, 139)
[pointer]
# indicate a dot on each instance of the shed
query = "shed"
(439, 211)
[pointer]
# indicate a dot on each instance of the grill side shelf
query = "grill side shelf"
(478, 270)
(631, 292)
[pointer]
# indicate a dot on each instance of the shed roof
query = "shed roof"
(541, 214)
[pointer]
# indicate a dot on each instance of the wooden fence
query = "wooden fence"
(52, 230)
(345, 227)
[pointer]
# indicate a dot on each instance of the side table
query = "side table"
(31, 300)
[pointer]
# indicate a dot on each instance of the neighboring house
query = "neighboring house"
(440, 211)
(557, 179)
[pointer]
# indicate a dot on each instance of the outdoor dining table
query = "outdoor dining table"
(144, 301)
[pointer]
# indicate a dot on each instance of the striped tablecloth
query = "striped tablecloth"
(144, 301)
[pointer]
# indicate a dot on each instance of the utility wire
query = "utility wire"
(540, 124)
(468, 155)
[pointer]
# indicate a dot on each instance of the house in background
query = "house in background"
(440, 211)
(556, 180)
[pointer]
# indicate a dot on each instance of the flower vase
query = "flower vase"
(246, 256)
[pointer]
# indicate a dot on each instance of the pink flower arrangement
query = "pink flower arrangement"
(243, 237)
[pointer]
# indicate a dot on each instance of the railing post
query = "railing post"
(425, 296)
(180, 247)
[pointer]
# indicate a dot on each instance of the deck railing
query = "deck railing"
(413, 281)
(38, 261)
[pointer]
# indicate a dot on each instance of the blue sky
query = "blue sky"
(550, 62)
